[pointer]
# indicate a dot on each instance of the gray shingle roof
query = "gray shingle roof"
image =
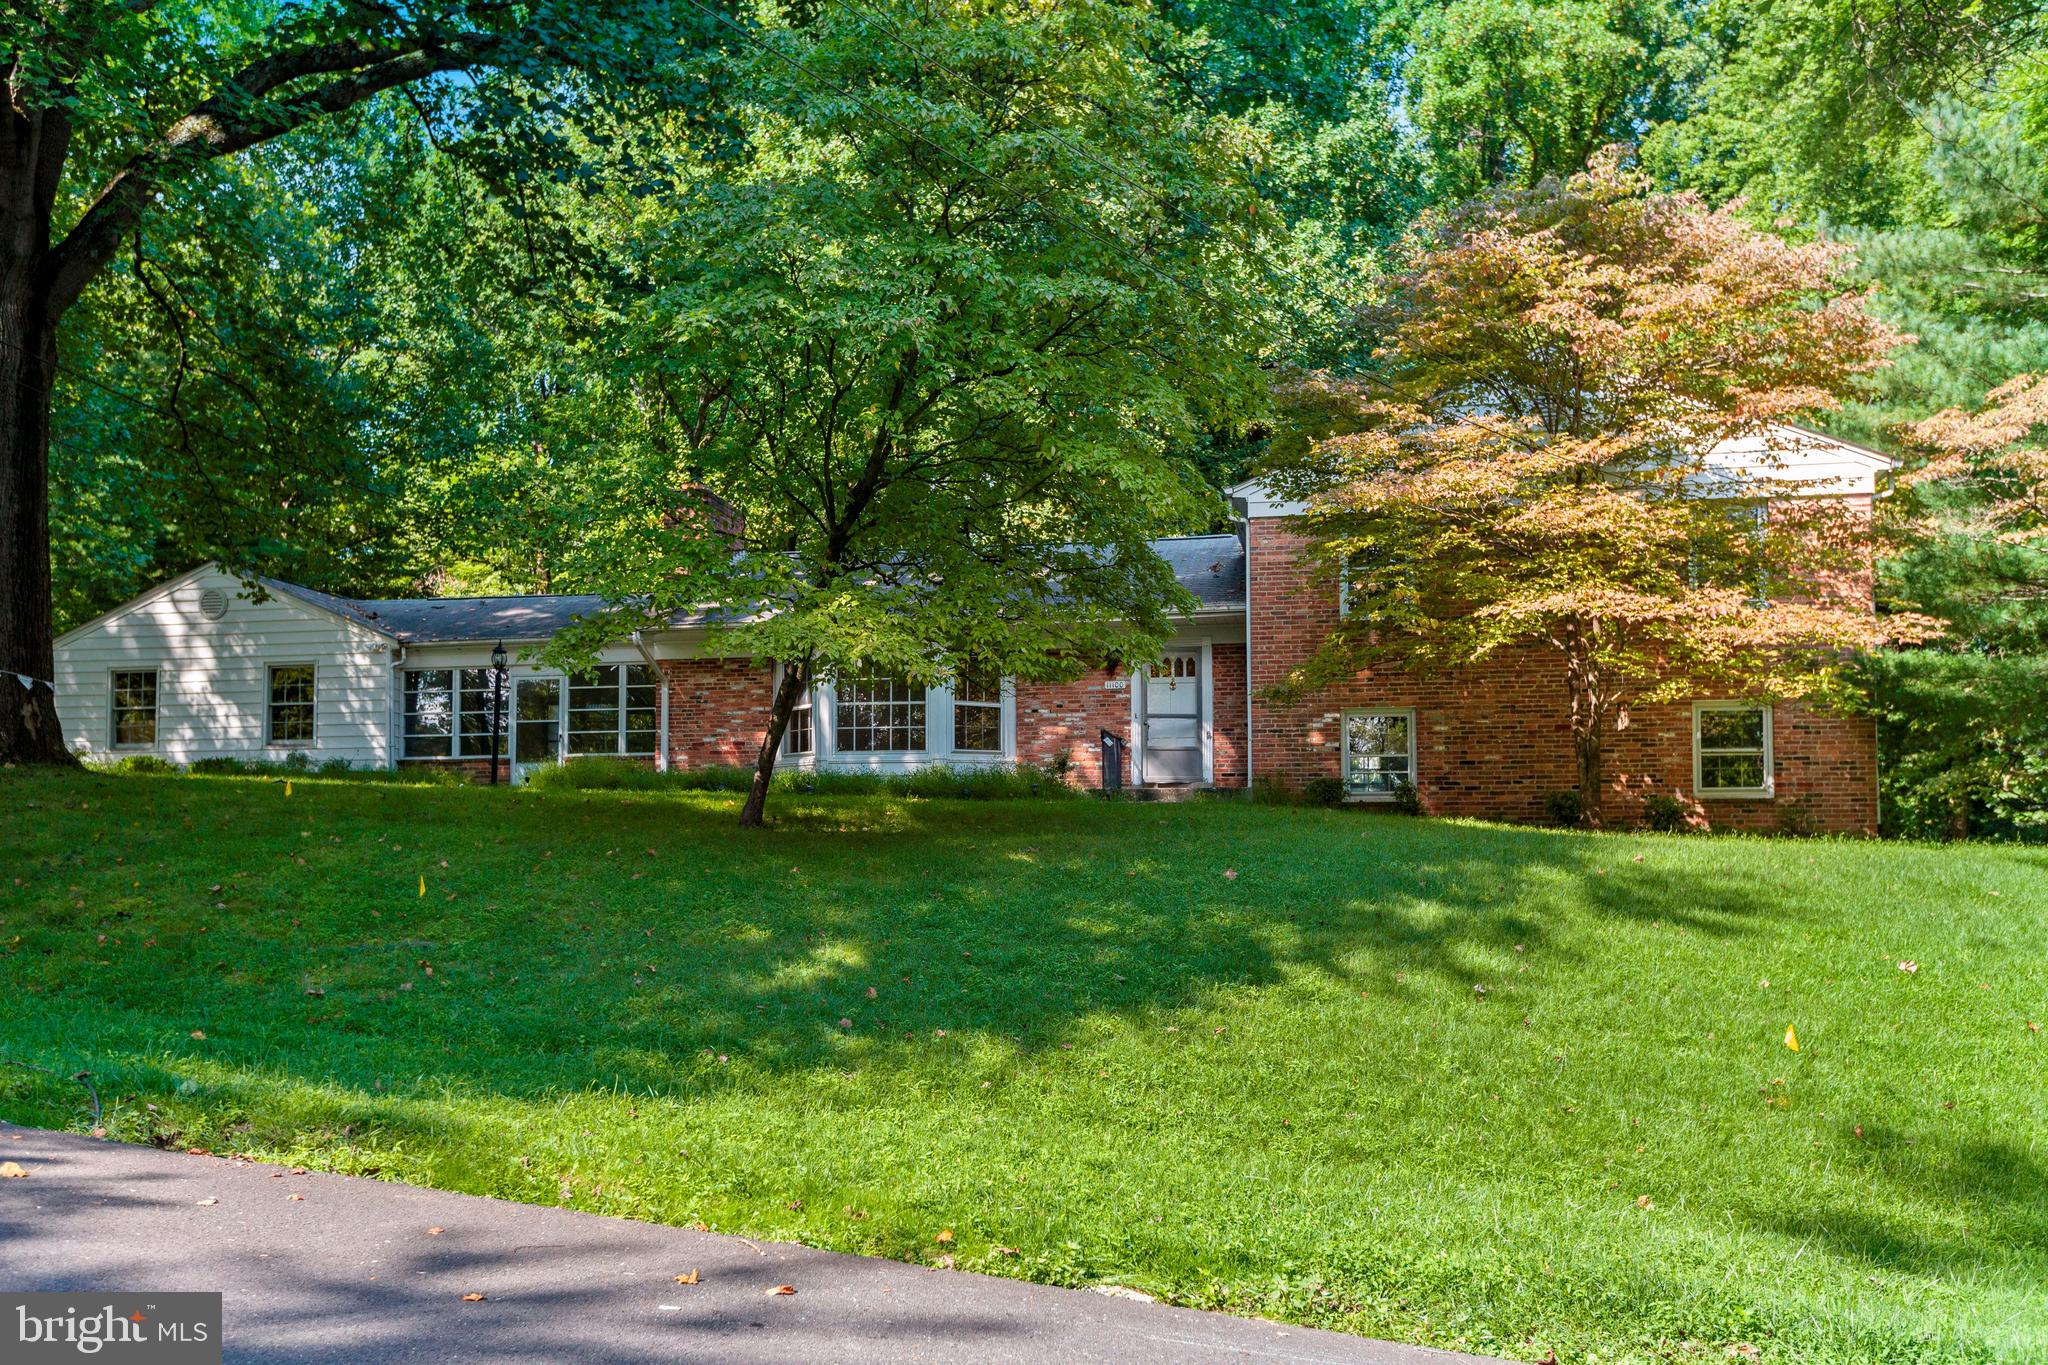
(1211, 567)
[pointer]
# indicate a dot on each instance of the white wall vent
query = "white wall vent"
(213, 604)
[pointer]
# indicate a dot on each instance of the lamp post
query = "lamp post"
(498, 657)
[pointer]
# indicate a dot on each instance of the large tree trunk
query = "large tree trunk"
(1589, 706)
(795, 677)
(29, 731)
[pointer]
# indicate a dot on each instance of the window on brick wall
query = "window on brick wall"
(1379, 752)
(1731, 749)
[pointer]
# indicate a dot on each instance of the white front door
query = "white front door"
(1173, 719)
(536, 725)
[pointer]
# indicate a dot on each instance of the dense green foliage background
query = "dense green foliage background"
(396, 351)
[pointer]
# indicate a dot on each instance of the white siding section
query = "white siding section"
(213, 677)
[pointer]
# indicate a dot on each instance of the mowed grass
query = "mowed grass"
(1501, 1089)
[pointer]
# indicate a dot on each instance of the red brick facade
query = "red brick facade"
(1066, 719)
(1227, 687)
(717, 711)
(1493, 740)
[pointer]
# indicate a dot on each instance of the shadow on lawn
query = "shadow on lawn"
(561, 970)
(2002, 1184)
(1010, 921)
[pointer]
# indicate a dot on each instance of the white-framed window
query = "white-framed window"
(1731, 749)
(429, 712)
(878, 714)
(613, 710)
(1379, 752)
(802, 737)
(134, 708)
(448, 712)
(978, 712)
(290, 708)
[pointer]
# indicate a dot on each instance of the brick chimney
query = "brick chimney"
(697, 508)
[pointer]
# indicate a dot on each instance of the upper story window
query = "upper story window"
(877, 714)
(1731, 749)
(613, 709)
(134, 708)
(1379, 751)
(291, 704)
(978, 712)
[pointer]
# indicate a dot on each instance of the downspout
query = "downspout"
(661, 703)
(1245, 531)
(396, 711)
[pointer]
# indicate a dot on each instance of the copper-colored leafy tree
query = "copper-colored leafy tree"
(1532, 461)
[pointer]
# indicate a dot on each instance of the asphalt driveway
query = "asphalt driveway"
(349, 1271)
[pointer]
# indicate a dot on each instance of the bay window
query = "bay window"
(978, 713)
(878, 714)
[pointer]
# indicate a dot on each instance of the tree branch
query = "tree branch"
(237, 119)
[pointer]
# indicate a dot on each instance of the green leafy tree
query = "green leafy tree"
(116, 108)
(1510, 91)
(936, 335)
(1534, 467)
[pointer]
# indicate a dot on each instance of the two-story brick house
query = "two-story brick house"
(203, 666)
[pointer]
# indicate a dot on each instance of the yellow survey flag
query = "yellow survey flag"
(423, 891)
(1791, 1038)
(287, 786)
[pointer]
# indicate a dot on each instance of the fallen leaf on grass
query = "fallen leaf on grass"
(690, 1278)
(472, 1298)
(945, 1235)
(1004, 1251)
(1908, 966)
(780, 1289)
(1643, 1201)
(12, 1170)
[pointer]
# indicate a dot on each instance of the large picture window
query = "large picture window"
(879, 715)
(1379, 751)
(291, 704)
(613, 710)
(134, 700)
(448, 712)
(978, 713)
(1731, 749)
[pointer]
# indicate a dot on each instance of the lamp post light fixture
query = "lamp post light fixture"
(498, 659)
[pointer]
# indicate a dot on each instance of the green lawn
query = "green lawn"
(1503, 1089)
